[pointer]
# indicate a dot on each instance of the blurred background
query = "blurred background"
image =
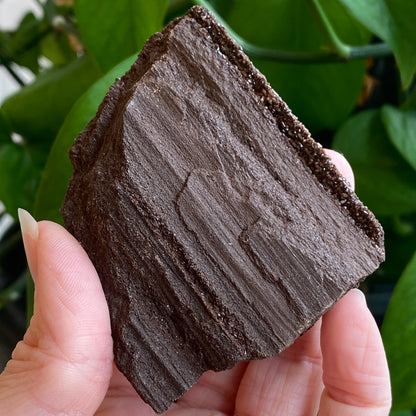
(13, 309)
(346, 69)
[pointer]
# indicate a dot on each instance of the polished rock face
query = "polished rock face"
(220, 230)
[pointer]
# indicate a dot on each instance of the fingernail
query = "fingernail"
(358, 291)
(28, 224)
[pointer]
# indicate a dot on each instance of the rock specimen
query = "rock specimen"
(219, 228)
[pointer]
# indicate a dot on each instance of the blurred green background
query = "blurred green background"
(345, 67)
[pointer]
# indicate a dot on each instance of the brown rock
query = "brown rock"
(219, 228)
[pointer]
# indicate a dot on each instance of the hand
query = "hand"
(64, 366)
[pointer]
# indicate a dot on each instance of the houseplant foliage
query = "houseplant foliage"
(345, 67)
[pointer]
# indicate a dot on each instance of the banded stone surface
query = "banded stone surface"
(219, 228)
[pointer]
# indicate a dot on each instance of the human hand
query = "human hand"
(64, 366)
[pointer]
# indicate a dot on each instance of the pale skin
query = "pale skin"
(64, 364)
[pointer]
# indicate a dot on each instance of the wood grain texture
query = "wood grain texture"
(220, 230)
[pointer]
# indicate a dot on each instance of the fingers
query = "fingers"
(122, 399)
(215, 390)
(356, 375)
(355, 371)
(288, 384)
(63, 365)
(342, 165)
(194, 412)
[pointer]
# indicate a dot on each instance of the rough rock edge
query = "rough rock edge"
(309, 151)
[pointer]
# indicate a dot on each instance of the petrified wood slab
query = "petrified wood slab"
(219, 228)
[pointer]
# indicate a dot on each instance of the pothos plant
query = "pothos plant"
(345, 67)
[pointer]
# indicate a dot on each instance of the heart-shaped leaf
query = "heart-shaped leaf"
(401, 128)
(58, 168)
(394, 22)
(399, 335)
(38, 110)
(321, 95)
(114, 30)
(20, 171)
(384, 181)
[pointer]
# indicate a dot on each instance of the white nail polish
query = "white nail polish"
(28, 224)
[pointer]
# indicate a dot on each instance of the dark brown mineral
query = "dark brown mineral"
(219, 228)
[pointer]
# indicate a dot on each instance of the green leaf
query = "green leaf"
(113, 30)
(55, 46)
(5, 51)
(20, 171)
(384, 181)
(5, 129)
(402, 413)
(392, 21)
(223, 7)
(38, 110)
(400, 244)
(399, 336)
(401, 128)
(49, 9)
(409, 102)
(177, 8)
(58, 168)
(24, 43)
(323, 95)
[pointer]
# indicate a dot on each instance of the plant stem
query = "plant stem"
(341, 52)
(341, 49)
(11, 71)
(374, 50)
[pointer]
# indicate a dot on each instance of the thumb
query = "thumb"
(64, 363)
(355, 371)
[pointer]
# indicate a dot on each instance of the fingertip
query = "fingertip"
(60, 250)
(342, 165)
(64, 363)
(69, 306)
(68, 277)
(30, 234)
(360, 294)
(355, 371)
(28, 224)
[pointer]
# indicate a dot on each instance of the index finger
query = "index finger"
(342, 165)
